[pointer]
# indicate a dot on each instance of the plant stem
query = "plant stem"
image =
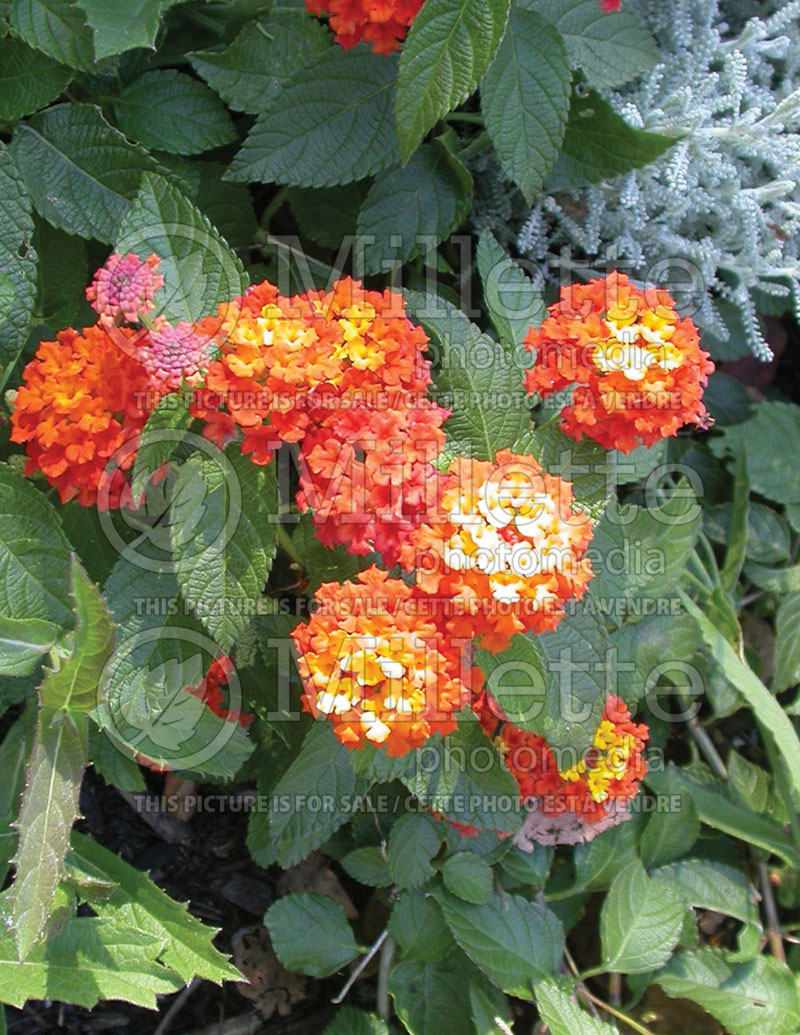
(387, 956)
(614, 1011)
(286, 544)
(275, 203)
(465, 116)
(359, 970)
(480, 143)
(771, 913)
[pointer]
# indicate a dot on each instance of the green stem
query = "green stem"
(480, 143)
(782, 784)
(465, 116)
(614, 1012)
(274, 204)
(286, 544)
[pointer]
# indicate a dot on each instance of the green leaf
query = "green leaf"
(469, 877)
(512, 940)
(137, 902)
(320, 563)
(17, 261)
(418, 927)
(655, 647)
(512, 302)
(706, 884)
(434, 999)
(28, 79)
(81, 172)
(525, 99)
(310, 934)
(406, 209)
(321, 768)
(49, 808)
(350, 1021)
(640, 922)
(14, 752)
(229, 206)
(224, 528)
(161, 435)
(669, 835)
(328, 214)
(586, 466)
(200, 271)
(122, 26)
(56, 27)
(413, 842)
(610, 47)
(600, 860)
(476, 375)
(73, 686)
(737, 530)
(251, 73)
(563, 1016)
(160, 651)
(641, 554)
(116, 768)
(750, 783)
(87, 960)
(599, 145)
(34, 554)
(63, 273)
(331, 124)
(368, 866)
(787, 644)
(748, 998)
(772, 719)
(168, 110)
(449, 47)
(772, 473)
(23, 642)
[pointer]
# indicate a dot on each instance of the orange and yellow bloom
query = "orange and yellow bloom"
(383, 23)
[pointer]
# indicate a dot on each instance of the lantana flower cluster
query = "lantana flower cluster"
(486, 549)
(382, 23)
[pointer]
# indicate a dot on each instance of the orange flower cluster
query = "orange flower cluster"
(209, 690)
(610, 5)
(341, 373)
(383, 23)
(80, 401)
(637, 369)
(509, 543)
(376, 667)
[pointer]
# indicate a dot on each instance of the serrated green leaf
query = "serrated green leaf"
(88, 960)
(224, 529)
(56, 27)
(49, 808)
(160, 437)
(320, 563)
(14, 752)
(63, 272)
(252, 71)
(749, 782)
(434, 999)
(200, 271)
(512, 940)
(563, 1016)
(600, 860)
(229, 206)
(468, 876)
(418, 927)
(119, 27)
(23, 642)
(512, 302)
(368, 866)
(17, 261)
(647, 650)
(331, 124)
(427, 198)
(350, 1021)
(34, 554)
(669, 835)
(168, 110)
(450, 45)
(707, 884)
(640, 922)
(28, 79)
(585, 465)
(81, 172)
(159, 652)
(525, 99)
(116, 768)
(772, 473)
(787, 644)
(310, 934)
(476, 375)
(748, 998)
(413, 842)
(322, 767)
(73, 686)
(328, 214)
(137, 902)
(610, 47)
(599, 145)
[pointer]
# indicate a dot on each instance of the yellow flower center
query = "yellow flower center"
(606, 760)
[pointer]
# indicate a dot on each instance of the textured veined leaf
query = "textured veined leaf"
(263, 58)
(468, 876)
(56, 27)
(418, 927)
(611, 48)
(525, 99)
(413, 842)
(200, 270)
(350, 1021)
(28, 79)
(160, 437)
(331, 124)
(168, 110)
(311, 934)
(787, 644)
(410, 210)
(599, 144)
(450, 45)
(771, 472)
(513, 303)
(49, 808)
(436, 998)
(640, 922)
(119, 27)
(136, 901)
(562, 1015)
(17, 260)
(81, 172)
(23, 642)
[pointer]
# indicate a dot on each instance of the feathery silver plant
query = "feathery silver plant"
(726, 198)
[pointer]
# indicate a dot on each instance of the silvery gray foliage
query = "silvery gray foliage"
(726, 198)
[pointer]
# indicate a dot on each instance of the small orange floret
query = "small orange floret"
(374, 666)
(383, 23)
(636, 368)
